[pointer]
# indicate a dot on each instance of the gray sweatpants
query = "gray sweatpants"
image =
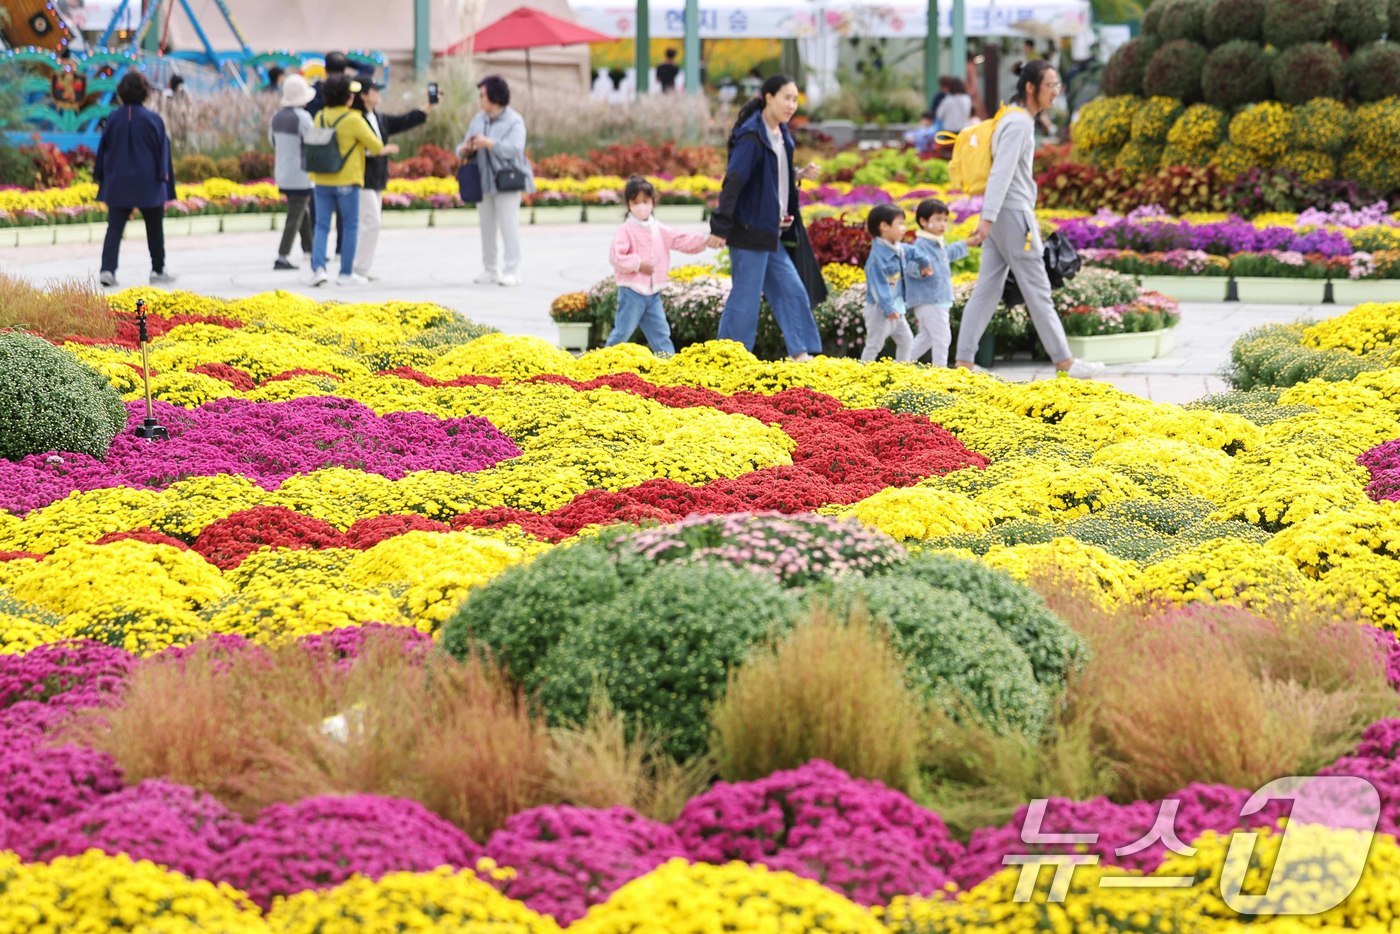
(1008, 249)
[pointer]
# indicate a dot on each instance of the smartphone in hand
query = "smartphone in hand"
(432, 92)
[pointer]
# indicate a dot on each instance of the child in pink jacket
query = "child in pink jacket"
(641, 258)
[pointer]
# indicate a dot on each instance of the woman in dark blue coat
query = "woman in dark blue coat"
(134, 171)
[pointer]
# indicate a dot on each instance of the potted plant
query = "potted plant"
(574, 318)
(1134, 332)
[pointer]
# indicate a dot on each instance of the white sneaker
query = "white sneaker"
(486, 278)
(108, 279)
(509, 281)
(162, 278)
(318, 277)
(1084, 369)
(353, 279)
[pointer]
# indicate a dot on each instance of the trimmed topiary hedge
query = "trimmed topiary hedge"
(52, 401)
(1311, 69)
(1228, 20)
(1175, 71)
(1362, 21)
(1290, 22)
(1373, 71)
(1182, 19)
(1127, 66)
(1236, 74)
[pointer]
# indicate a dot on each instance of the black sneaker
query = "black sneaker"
(284, 263)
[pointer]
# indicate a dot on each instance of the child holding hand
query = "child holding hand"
(641, 259)
(884, 285)
(929, 280)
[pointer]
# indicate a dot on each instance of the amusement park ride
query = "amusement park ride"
(67, 87)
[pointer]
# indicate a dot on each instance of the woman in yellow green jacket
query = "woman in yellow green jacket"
(340, 191)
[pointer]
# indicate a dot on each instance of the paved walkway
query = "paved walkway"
(438, 265)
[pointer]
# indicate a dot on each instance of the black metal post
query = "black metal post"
(149, 429)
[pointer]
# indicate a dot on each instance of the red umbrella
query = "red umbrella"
(526, 28)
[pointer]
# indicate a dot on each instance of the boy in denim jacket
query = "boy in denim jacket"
(929, 280)
(884, 285)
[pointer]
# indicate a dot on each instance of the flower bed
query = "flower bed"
(333, 466)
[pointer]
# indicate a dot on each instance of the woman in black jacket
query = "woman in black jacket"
(134, 171)
(759, 219)
(377, 168)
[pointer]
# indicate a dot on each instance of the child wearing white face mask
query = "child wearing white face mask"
(641, 259)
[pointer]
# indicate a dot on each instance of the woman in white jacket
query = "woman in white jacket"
(1009, 233)
(496, 140)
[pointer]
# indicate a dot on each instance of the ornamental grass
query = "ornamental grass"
(254, 727)
(832, 688)
(68, 308)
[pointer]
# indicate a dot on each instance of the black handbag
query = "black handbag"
(469, 182)
(509, 178)
(1062, 263)
(799, 248)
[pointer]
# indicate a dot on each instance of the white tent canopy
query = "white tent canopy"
(891, 19)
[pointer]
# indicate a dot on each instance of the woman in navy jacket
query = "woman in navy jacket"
(134, 171)
(757, 212)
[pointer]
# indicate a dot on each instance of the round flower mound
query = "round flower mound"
(115, 893)
(1198, 808)
(795, 550)
(1312, 881)
(68, 674)
(681, 896)
(265, 442)
(568, 859)
(855, 836)
(226, 542)
(441, 900)
(320, 842)
(171, 825)
(40, 784)
(1383, 461)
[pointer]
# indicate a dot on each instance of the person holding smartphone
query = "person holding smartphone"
(367, 101)
(495, 139)
(757, 218)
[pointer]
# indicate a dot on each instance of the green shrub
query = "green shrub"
(17, 168)
(195, 168)
(1362, 21)
(441, 338)
(1051, 647)
(1228, 20)
(1152, 19)
(1374, 71)
(1182, 19)
(1125, 69)
(1290, 22)
(663, 649)
(1162, 516)
(1129, 540)
(521, 614)
(1259, 405)
(1324, 124)
(1175, 71)
(1308, 70)
(1236, 74)
(1394, 31)
(1274, 355)
(956, 654)
(52, 401)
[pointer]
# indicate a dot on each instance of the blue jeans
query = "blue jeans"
(634, 308)
(345, 200)
(758, 274)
